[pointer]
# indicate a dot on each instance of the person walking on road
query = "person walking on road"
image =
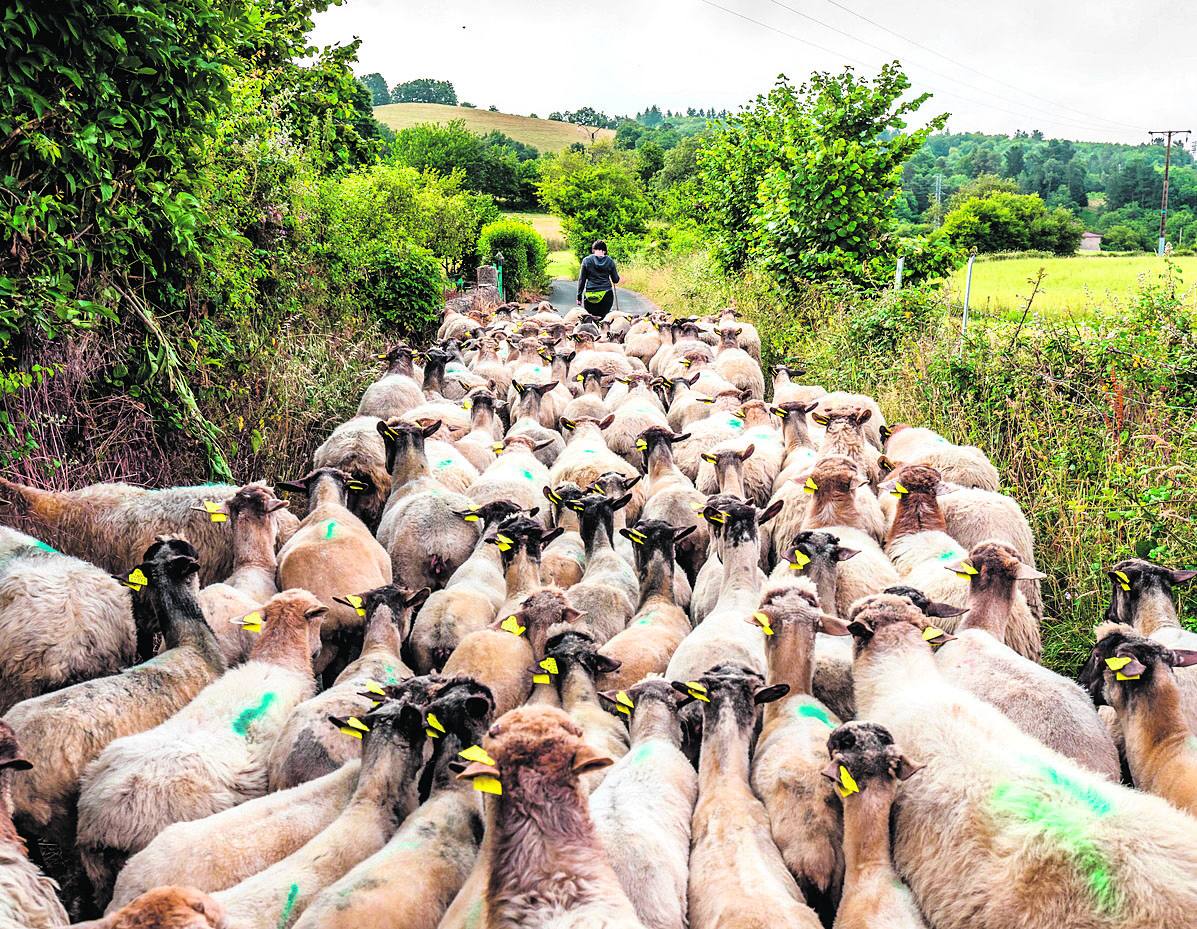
(596, 283)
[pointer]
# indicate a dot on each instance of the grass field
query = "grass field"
(1078, 285)
(547, 225)
(546, 135)
(564, 263)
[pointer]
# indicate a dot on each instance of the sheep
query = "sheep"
(1141, 596)
(685, 405)
(1040, 702)
(857, 507)
(170, 907)
(921, 550)
(412, 880)
(500, 657)
(616, 484)
(748, 338)
(644, 337)
(394, 748)
(800, 449)
(517, 474)
(720, 424)
(564, 560)
(534, 757)
(723, 633)
(1135, 675)
(606, 595)
(470, 599)
(332, 554)
(710, 577)
(306, 747)
(423, 538)
(737, 366)
(478, 445)
(844, 435)
(865, 769)
(1047, 843)
(642, 809)
(27, 897)
(671, 497)
(251, 510)
(226, 848)
(834, 508)
(660, 623)
(536, 403)
(449, 465)
(586, 455)
(786, 389)
(612, 364)
(966, 465)
(760, 469)
(209, 756)
(790, 752)
(62, 620)
(737, 876)
(66, 729)
(639, 410)
(589, 403)
(356, 448)
(837, 398)
(110, 525)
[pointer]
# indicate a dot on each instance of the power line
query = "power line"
(967, 67)
(1030, 110)
(1053, 121)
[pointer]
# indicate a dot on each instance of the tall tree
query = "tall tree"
(424, 90)
(377, 85)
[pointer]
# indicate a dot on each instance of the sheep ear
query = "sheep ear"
(843, 554)
(587, 759)
(630, 482)
(679, 534)
(431, 429)
(570, 615)
(275, 505)
(607, 421)
(944, 610)
(832, 771)
(1182, 577)
(679, 438)
(769, 694)
(532, 512)
(315, 612)
(832, 625)
(603, 664)
(418, 597)
(1026, 573)
(621, 502)
(181, 566)
(770, 511)
(295, 486)
(907, 768)
(747, 453)
(860, 629)
(1134, 668)
(477, 769)
(15, 763)
(863, 417)
(545, 444)
(548, 537)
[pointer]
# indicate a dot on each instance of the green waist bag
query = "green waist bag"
(595, 296)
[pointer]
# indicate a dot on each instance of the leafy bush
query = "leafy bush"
(1124, 238)
(524, 254)
(599, 194)
(424, 90)
(493, 164)
(1002, 221)
(804, 182)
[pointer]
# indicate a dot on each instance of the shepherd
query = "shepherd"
(596, 283)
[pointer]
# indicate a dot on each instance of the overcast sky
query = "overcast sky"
(1104, 70)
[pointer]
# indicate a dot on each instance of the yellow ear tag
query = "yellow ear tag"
(624, 703)
(579, 378)
(932, 632)
(1123, 580)
(497, 448)
(136, 579)
(642, 445)
(357, 603)
(541, 679)
(355, 727)
(375, 688)
(709, 459)
(550, 665)
(251, 622)
(435, 723)
(847, 784)
(801, 560)
(467, 404)
(820, 419)
(810, 486)
(488, 784)
(779, 412)
(898, 491)
(476, 753)
(763, 620)
(512, 624)
(1117, 664)
(717, 518)
(967, 571)
(471, 518)
(697, 691)
(214, 512)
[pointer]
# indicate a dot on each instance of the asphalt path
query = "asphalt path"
(564, 295)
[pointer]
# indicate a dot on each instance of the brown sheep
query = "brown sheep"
(356, 448)
(165, 908)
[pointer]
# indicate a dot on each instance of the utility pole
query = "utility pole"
(1167, 140)
(938, 197)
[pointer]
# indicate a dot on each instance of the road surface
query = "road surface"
(564, 294)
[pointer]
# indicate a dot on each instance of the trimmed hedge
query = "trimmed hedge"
(525, 254)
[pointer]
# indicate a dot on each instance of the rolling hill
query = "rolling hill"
(545, 134)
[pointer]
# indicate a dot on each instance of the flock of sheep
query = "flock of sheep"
(577, 630)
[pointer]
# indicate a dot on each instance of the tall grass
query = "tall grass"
(1091, 427)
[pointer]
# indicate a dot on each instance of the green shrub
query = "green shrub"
(598, 193)
(1002, 222)
(524, 254)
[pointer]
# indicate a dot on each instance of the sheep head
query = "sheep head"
(1123, 664)
(730, 686)
(863, 754)
(884, 621)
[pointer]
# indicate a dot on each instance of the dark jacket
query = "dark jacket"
(597, 274)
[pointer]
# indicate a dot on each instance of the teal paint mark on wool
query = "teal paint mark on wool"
(950, 554)
(328, 534)
(642, 754)
(735, 423)
(529, 476)
(288, 907)
(810, 711)
(1064, 812)
(45, 548)
(252, 714)
(444, 463)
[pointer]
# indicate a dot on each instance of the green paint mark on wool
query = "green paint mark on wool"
(252, 714)
(473, 918)
(735, 423)
(288, 907)
(642, 754)
(950, 554)
(45, 548)
(444, 463)
(328, 534)
(529, 476)
(810, 711)
(391, 679)
(1064, 812)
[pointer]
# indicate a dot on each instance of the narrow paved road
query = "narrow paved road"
(564, 294)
